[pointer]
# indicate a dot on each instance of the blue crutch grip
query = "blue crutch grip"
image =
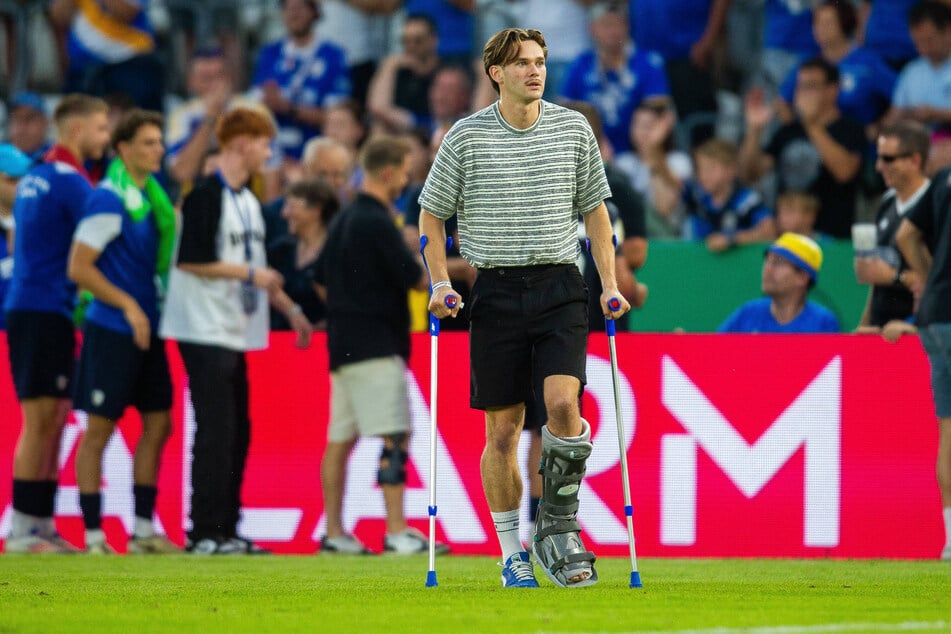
(614, 304)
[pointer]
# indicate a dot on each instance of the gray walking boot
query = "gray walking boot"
(557, 545)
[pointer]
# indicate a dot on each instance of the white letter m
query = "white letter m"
(813, 421)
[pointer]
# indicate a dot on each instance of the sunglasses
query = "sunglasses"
(891, 158)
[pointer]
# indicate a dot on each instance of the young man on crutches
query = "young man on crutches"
(518, 173)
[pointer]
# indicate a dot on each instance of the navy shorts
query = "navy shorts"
(936, 340)
(114, 373)
(42, 353)
(525, 322)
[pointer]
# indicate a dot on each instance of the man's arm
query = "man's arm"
(435, 255)
(841, 163)
(598, 228)
(911, 243)
(380, 96)
(82, 269)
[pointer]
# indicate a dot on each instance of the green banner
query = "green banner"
(694, 290)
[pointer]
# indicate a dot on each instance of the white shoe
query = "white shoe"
(99, 548)
(343, 545)
(33, 545)
(152, 545)
(410, 542)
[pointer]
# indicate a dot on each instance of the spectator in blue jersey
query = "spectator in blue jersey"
(398, 99)
(111, 48)
(14, 164)
(886, 30)
(39, 308)
(866, 82)
(121, 248)
(685, 33)
(790, 267)
(923, 91)
(309, 206)
(299, 75)
(720, 211)
(819, 153)
(614, 76)
(787, 40)
(216, 309)
(454, 20)
(28, 124)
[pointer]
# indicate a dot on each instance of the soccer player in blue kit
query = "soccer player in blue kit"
(39, 305)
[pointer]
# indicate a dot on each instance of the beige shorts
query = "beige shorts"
(368, 398)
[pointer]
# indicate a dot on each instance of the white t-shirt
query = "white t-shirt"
(218, 224)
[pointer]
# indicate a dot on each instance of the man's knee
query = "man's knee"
(562, 407)
(393, 460)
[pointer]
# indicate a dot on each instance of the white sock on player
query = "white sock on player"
(506, 527)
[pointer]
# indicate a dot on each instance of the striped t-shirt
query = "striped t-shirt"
(518, 193)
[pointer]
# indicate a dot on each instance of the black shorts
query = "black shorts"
(525, 322)
(42, 353)
(114, 373)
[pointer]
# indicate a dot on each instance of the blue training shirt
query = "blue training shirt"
(616, 95)
(50, 202)
(670, 27)
(316, 77)
(754, 316)
(788, 27)
(128, 260)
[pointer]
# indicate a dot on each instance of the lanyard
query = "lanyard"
(244, 215)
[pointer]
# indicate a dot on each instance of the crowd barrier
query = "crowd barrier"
(748, 445)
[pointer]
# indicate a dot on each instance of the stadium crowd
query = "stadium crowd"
(724, 122)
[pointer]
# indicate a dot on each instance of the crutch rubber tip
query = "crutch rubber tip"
(432, 583)
(635, 579)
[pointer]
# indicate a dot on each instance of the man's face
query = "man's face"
(143, 153)
(27, 129)
(299, 17)
(931, 42)
(782, 278)
(331, 164)
(94, 135)
(418, 40)
(448, 95)
(298, 215)
(523, 80)
(207, 74)
(826, 28)
(256, 152)
(400, 177)
(610, 32)
(812, 83)
(896, 166)
(8, 191)
(341, 126)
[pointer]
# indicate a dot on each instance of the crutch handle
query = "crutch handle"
(451, 301)
(609, 324)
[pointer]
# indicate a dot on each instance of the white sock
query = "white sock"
(143, 527)
(947, 527)
(506, 526)
(94, 536)
(23, 525)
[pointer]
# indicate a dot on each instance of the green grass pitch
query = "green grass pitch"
(388, 594)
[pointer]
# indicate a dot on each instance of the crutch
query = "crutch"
(614, 303)
(433, 382)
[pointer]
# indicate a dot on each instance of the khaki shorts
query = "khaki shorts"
(368, 398)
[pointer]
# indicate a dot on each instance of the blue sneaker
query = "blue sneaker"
(517, 572)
